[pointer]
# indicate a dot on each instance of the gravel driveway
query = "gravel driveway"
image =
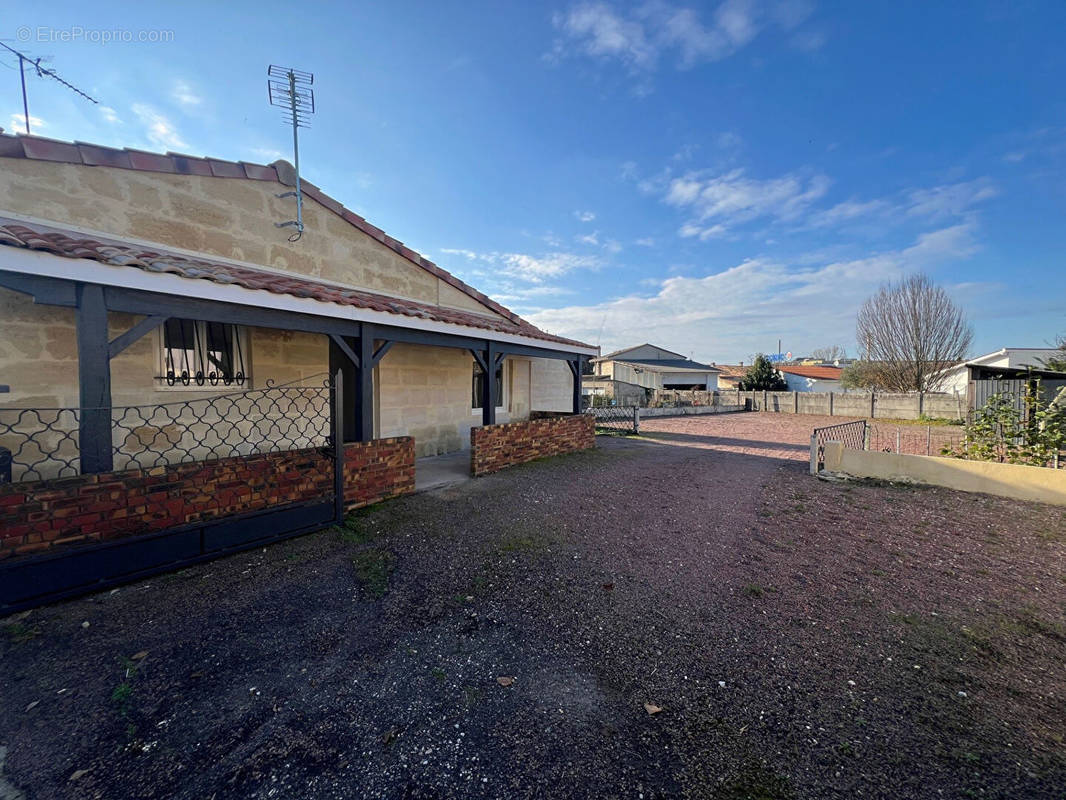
(511, 636)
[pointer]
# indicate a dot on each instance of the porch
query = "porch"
(235, 395)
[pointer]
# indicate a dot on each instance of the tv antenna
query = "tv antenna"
(42, 72)
(290, 89)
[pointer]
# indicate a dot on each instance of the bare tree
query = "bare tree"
(912, 330)
(831, 353)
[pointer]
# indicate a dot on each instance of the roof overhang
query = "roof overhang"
(48, 265)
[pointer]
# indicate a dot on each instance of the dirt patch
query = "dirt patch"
(803, 640)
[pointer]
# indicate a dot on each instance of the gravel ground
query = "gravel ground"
(506, 637)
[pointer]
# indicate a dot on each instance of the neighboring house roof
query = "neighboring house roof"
(40, 148)
(120, 254)
(818, 373)
(665, 365)
(732, 370)
(613, 356)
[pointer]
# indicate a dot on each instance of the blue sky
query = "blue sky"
(709, 177)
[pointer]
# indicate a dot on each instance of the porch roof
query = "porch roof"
(162, 263)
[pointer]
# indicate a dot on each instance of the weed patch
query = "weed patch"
(373, 568)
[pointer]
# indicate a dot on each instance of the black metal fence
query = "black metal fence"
(616, 419)
(40, 443)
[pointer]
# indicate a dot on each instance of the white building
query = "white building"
(957, 378)
(652, 367)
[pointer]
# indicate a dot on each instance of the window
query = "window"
(203, 354)
(479, 384)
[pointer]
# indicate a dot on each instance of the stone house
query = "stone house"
(172, 362)
(205, 229)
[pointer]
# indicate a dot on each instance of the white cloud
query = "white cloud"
(585, 216)
(734, 313)
(528, 268)
(184, 95)
(732, 198)
(109, 114)
(469, 255)
(600, 32)
(268, 154)
(18, 123)
(589, 238)
(950, 199)
(536, 269)
(645, 241)
(159, 130)
(657, 29)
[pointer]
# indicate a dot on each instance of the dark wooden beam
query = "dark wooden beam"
(345, 348)
(138, 301)
(381, 351)
(488, 386)
(142, 328)
(47, 291)
(364, 423)
(94, 381)
(343, 362)
(575, 369)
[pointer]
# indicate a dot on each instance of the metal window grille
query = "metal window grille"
(200, 354)
(478, 386)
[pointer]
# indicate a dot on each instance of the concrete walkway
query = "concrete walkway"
(436, 472)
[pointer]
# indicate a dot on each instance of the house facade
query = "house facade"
(956, 379)
(802, 378)
(181, 376)
(650, 367)
(203, 231)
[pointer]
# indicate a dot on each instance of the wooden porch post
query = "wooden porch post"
(94, 381)
(364, 424)
(342, 368)
(575, 370)
(488, 386)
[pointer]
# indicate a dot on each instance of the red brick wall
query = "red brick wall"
(38, 515)
(494, 447)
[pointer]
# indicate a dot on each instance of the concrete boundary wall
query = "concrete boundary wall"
(1018, 481)
(685, 411)
(872, 405)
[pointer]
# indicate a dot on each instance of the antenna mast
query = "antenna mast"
(42, 72)
(290, 89)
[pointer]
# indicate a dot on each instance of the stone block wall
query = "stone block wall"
(232, 217)
(494, 447)
(41, 515)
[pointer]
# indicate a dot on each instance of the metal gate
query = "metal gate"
(853, 435)
(290, 433)
(616, 419)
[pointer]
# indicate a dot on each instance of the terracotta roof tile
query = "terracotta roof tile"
(190, 165)
(36, 147)
(50, 149)
(225, 169)
(97, 156)
(824, 373)
(72, 244)
(151, 162)
(257, 172)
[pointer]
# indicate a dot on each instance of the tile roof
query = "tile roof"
(72, 244)
(41, 148)
(667, 364)
(822, 373)
(732, 370)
